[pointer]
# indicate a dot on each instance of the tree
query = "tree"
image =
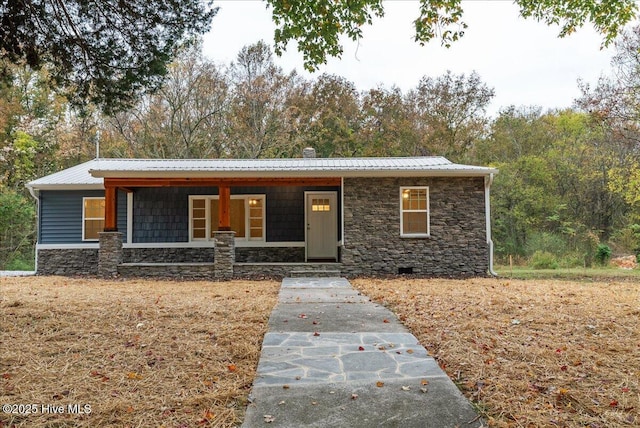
(450, 114)
(317, 25)
(387, 128)
(185, 118)
(101, 51)
(330, 117)
(259, 111)
(614, 106)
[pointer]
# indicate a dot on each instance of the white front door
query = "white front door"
(322, 225)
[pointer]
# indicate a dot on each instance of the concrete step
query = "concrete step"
(315, 273)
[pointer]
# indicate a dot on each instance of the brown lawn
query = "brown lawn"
(529, 353)
(140, 353)
(183, 354)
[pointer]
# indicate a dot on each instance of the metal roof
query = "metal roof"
(74, 178)
(90, 174)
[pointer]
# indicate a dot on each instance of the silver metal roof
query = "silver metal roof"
(90, 174)
(76, 177)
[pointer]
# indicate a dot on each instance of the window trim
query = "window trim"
(85, 218)
(427, 211)
(247, 219)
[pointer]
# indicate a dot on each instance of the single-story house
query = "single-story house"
(222, 218)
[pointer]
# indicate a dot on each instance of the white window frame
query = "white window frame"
(427, 212)
(247, 219)
(85, 218)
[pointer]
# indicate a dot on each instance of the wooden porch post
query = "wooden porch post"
(224, 208)
(111, 209)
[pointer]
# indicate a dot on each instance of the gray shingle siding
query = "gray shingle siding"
(60, 217)
(162, 214)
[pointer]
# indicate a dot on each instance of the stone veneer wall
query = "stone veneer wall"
(68, 261)
(169, 255)
(270, 254)
(457, 246)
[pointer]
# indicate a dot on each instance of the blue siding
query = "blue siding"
(60, 220)
(162, 214)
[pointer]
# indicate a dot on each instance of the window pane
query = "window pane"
(92, 228)
(199, 233)
(199, 203)
(414, 222)
(94, 208)
(238, 219)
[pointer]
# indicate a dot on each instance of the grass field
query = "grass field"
(183, 354)
(139, 353)
(534, 353)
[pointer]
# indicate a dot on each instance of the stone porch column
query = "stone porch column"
(224, 254)
(109, 253)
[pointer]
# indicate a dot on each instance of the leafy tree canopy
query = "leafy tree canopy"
(101, 51)
(317, 25)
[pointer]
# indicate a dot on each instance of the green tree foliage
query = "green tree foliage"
(317, 25)
(17, 230)
(553, 183)
(105, 52)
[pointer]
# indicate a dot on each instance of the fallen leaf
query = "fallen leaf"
(379, 384)
(281, 403)
(406, 388)
(409, 351)
(232, 367)
(134, 376)
(269, 418)
(303, 316)
(614, 403)
(354, 396)
(316, 334)
(285, 387)
(424, 382)
(315, 323)
(386, 321)
(360, 348)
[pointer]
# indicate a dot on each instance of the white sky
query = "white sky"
(523, 60)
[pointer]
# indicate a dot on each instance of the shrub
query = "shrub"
(543, 260)
(603, 254)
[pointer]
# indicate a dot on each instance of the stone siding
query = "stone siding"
(225, 254)
(457, 246)
(109, 253)
(68, 262)
(270, 254)
(169, 255)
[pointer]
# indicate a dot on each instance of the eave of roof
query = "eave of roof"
(301, 167)
(89, 175)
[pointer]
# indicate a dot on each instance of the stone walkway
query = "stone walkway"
(331, 358)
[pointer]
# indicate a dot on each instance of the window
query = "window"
(247, 217)
(414, 211)
(92, 218)
(320, 204)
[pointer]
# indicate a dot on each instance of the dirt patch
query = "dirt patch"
(529, 353)
(133, 353)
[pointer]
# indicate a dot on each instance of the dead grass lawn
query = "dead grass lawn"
(529, 353)
(139, 352)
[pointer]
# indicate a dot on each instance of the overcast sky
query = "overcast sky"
(524, 61)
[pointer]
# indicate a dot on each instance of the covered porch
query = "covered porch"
(221, 227)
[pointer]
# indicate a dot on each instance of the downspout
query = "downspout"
(35, 196)
(488, 180)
